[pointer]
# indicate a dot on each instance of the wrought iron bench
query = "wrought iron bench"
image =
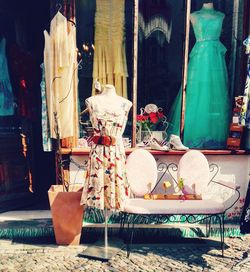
(192, 211)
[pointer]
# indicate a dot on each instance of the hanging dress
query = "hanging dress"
(110, 65)
(47, 141)
(207, 103)
(60, 65)
(6, 95)
(106, 183)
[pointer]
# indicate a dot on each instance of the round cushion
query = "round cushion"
(141, 170)
(193, 168)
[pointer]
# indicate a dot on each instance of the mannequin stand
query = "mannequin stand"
(103, 250)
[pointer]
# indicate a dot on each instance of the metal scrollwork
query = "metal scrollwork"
(213, 168)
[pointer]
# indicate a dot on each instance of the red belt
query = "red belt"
(104, 140)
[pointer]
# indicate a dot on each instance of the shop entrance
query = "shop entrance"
(26, 172)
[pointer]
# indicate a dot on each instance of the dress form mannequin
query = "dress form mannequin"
(106, 186)
(208, 5)
(109, 98)
(205, 6)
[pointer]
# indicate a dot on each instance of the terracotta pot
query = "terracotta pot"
(67, 213)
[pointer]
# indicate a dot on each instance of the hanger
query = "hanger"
(71, 21)
(59, 7)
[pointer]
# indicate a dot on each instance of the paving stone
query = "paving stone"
(144, 258)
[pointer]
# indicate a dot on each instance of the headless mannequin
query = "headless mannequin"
(109, 100)
(205, 6)
(209, 5)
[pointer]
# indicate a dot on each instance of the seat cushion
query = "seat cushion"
(142, 206)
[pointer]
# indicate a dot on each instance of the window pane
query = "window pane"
(160, 53)
(105, 41)
(210, 83)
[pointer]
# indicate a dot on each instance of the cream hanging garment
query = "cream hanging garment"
(110, 66)
(60, 68)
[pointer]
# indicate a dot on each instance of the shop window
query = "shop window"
(161, 62)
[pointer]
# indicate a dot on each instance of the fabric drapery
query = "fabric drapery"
(60, 64)
(110, 66)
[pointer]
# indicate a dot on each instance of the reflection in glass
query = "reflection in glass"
(160, 52)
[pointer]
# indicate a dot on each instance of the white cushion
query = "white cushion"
(142, 206)
(193, 168)
(141, 171)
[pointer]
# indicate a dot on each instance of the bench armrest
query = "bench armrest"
(227, 184)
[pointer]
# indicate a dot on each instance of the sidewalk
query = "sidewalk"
(40, 253)
(197, 255)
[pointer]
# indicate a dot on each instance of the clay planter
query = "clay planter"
(67, 213)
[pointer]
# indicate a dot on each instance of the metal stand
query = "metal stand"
(103, 251)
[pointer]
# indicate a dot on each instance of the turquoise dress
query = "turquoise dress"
(207, 108)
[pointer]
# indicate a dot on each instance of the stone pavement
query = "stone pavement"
(197, 255)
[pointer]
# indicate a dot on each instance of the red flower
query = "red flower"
(141, 118)
(153, 117)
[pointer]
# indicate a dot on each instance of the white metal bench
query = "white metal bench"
(213, 205)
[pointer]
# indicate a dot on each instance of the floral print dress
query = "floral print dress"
(106, 183)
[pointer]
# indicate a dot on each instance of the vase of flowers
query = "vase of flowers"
(150, 119)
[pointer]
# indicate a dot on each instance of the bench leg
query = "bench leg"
(208, 226)
(123, 217)
(222, 229)
(130, 234)
(223, 233)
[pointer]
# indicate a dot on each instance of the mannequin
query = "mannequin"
(205, 6)
(207, 105)
(208, 5)
(108, 115)
(106, 186)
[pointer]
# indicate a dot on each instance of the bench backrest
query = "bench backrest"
(193, 170)
(141, 171)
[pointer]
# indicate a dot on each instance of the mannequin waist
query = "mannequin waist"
(106, 140)
(208, 40)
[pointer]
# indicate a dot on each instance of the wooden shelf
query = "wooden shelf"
(85, 151)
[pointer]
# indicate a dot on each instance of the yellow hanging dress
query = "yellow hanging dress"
(110, 66)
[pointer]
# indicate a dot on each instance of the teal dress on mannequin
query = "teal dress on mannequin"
(207, 103)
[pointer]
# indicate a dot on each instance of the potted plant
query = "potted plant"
(64, 199)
